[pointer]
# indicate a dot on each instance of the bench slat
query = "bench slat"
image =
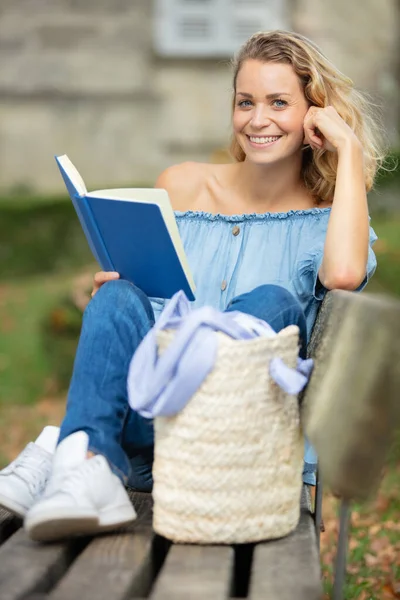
(195, 572)
(8, 524)
(27, 567)
(115, 565)
(289, 567)
(351, 407)
(109, 568)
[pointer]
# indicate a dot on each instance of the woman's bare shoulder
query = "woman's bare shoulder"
(192, 185)
(184, 183)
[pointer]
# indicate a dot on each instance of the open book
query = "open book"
(132, 231)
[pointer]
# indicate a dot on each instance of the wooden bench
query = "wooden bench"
(356, 346)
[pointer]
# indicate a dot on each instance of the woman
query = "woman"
(266, 235)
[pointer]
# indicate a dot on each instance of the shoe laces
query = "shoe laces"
(33, 467)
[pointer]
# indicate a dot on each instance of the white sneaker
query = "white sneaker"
(82, 497)
(24, 480)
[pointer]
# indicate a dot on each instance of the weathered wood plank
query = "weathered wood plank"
(289, 567)
(8, 524)
(351, 407)
(27, 567)
(195, 572)
(115, 566)
(108, 569)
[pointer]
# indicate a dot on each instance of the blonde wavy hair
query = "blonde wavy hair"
(323, 85)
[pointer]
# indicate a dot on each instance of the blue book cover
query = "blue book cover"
(134, 232)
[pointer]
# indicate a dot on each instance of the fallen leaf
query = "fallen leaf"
(395, 585)
(389, 591)
(353, 544)
(353, 569)
(330, 525)
(374, 529)
(382, 504)
(385, 594)
(371, 560)
(364, 522)
(379, 544)
(390, 554)
(361, 534)
(386, 563)
(329, 557)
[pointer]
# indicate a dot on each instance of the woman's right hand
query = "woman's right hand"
(102, 277)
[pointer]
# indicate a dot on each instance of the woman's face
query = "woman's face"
(269, 112)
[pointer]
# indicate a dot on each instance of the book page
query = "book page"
(73, 174)
(131, 194)
(169, 218)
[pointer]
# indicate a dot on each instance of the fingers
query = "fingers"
(324, 128)
(312, 135)
(312, 139)
(102, 277)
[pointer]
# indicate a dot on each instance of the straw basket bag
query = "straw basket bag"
(228, 467)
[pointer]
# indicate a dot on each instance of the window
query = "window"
(201, 28)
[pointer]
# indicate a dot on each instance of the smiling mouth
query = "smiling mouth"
(263, 141)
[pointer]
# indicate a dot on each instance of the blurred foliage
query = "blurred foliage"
(25, 364)
(37, 237)
(60, 332)
(390, 173)
(387, 249)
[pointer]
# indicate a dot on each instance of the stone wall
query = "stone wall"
(81, 77)
(362, 38)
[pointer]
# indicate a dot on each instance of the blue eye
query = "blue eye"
(244, 103)
(282, 103)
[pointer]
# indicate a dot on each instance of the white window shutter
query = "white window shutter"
(201, 28)
(249, 16)
(186, 27)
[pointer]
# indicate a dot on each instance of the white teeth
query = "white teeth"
(264, 140)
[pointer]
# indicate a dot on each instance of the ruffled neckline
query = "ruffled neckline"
(198, 214)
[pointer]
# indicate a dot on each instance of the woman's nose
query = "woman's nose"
(260, 117)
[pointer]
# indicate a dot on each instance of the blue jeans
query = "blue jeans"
(114, 323)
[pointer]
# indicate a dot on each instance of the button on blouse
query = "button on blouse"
(284, 249)
(236, 230)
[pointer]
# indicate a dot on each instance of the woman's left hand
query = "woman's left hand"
(325, 129)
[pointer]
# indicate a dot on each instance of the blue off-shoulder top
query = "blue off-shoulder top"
(232, 254)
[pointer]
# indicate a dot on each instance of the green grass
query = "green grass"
(25, 370)
(387, 276)
(390, 174)
(387, 228)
